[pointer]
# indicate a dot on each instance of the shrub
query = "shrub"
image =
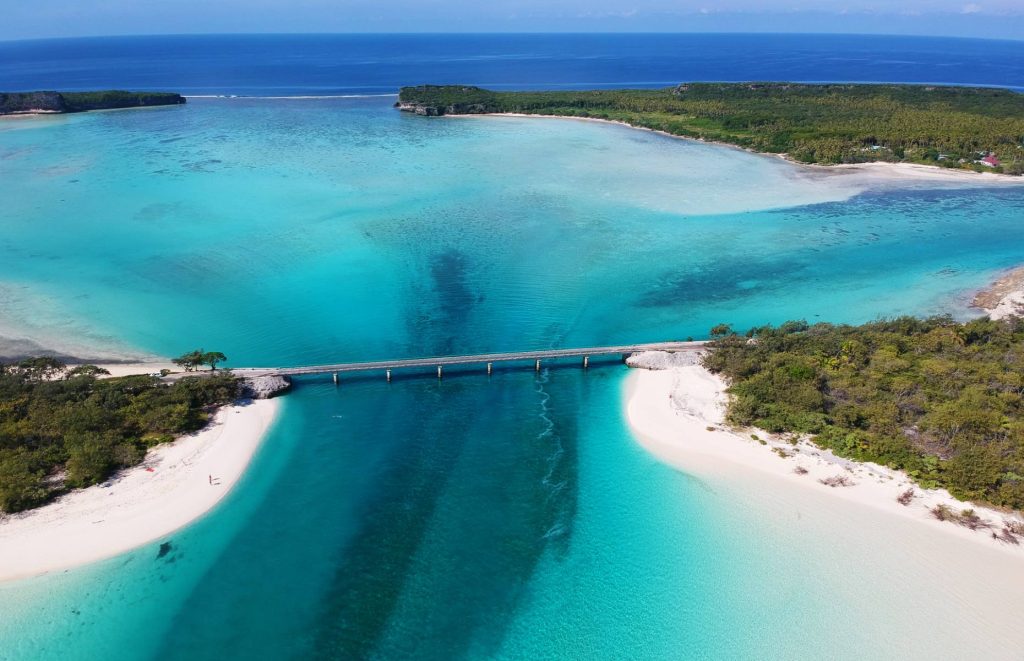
(936, 398)
(837, 481)
(57, 421)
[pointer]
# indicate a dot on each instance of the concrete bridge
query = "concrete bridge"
(485, 360)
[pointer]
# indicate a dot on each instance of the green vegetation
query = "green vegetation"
(948, 126)
(192, 360)
(941, 400)
(63, 428)
(82, 101)
(62, 102)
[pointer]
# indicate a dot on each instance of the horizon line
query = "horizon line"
(511, 33)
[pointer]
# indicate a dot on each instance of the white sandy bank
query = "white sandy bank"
(129, 369)
(865, 175)
(912, 572)
(177, 483)
(678, 415)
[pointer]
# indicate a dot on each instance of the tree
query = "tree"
(82, 429)
(211, 358)
(90, 458)
(21, 484)
(191, 360)
(721, 330)
(42, 368)
(86, 370)
(941, 400)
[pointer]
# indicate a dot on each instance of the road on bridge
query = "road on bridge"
(473, 359)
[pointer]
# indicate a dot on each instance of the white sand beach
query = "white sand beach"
(176, 484)
(946, 575)
(678, 415)
(128, 369)
(918, 172)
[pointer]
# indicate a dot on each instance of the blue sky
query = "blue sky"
(27, 19)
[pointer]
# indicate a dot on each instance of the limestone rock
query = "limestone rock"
(663, 360)
(265, 387)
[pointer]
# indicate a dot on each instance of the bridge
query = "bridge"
(484, 359)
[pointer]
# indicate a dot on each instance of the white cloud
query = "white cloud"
(971, 8)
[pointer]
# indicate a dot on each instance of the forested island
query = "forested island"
(64, 428)
(957, 127)
(941, 400)
(14, 103)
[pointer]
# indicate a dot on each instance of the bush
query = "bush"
(21, 483)
(90, 459)
(55, 420)
(942, 400)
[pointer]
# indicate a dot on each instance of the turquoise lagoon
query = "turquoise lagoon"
(510, 517)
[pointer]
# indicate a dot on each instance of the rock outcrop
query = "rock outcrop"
(265, 387)
(663, 360)
(437, 111)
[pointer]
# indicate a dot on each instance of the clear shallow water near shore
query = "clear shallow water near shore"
(472, 517)
(256, 226)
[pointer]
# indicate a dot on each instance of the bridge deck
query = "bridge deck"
(482, 358)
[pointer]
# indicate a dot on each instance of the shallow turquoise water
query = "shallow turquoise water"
(507, 517)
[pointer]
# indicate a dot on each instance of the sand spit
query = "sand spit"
(678, 415)
(925, 573)
(877, 172)
(176, 483)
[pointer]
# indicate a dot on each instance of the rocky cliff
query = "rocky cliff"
(437, 100)
(12, 103)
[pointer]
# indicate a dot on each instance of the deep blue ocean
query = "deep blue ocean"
(379, 64)
(511, 517)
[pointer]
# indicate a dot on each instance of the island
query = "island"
(973, 128)
(920, 417)
(68, 427)
(96, 460)
(28, 103)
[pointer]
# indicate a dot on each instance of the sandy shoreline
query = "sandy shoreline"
(35, 112)
(1004, 297)
(916, 570)
(169, 490)
(878, 170)
(128, 369)
(677, 414)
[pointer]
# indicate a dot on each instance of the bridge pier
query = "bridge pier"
(438, 372)
(388, 374)
(490, 368)
(335, 378)
(586, 362)
(536, 367)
